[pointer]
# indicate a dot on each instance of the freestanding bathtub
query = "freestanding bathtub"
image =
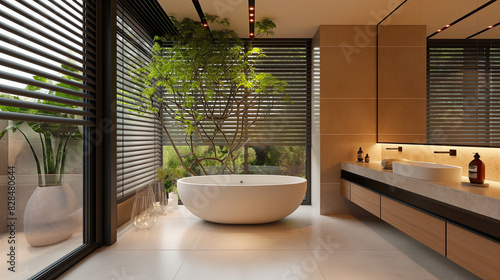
(242, 199)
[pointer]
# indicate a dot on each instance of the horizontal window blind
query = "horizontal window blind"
(47, 61)
(138, 132)
(286, 123)
(463, 92)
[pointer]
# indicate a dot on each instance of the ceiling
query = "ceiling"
(301, 19)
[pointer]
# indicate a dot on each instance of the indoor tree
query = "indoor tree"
(206, 82)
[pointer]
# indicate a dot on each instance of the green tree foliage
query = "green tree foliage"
(206, 82)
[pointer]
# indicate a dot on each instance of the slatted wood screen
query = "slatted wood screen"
(48, 63)
(287, 123)
(139, 143)
(463, 92)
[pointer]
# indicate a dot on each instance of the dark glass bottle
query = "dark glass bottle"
(367, 158)
(476, 170)
(360, 155)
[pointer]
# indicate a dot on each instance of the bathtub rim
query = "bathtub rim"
(182, 180)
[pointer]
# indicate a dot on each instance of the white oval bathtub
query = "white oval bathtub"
(242, 199)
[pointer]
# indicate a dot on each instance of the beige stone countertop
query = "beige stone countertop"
(478, 199)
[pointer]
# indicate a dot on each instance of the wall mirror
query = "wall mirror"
(439, 73)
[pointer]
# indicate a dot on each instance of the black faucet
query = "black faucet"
(451, 152)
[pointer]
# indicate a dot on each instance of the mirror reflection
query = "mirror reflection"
(439, 73)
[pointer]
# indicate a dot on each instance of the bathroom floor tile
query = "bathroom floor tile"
(249, 265)
(278, 235)
(347, 233)
(306, 212)
(302, 246)
(170, 234)
(388, 264)
(111, 264)
(180, 213)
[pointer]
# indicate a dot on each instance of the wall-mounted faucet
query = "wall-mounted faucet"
(452, 153)
(400, 149)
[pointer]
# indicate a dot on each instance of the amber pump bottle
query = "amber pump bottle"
(360, 155)
(476, 170)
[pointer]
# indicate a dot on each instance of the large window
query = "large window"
(280, 143)
(48, 100)
(138, 134)
(463, 92)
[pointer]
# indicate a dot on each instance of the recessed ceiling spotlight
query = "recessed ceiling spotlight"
(251, 14)
(484, 30)
(463, 17)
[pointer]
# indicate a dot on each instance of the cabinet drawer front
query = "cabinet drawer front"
(477, 254)
(345, 188)
(368, 200)
(425, 228)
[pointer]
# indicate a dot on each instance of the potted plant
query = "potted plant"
(51, 212)
(206, 83)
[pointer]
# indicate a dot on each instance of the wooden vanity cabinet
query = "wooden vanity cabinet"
(427, 229)
(475, 253)
(466, 247)
(366, 199)
(345, 188)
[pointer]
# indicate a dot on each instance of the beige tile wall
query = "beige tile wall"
(344, 108)
(490, 156)
(402, 83)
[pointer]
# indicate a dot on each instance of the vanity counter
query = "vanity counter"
(481, 200)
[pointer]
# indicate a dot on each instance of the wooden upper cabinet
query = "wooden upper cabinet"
(477, 254)
(366, 199)
(425, 228)
(345, 188)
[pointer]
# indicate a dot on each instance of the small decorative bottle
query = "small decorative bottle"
(360, 155)
(367, 158)
(476, 170)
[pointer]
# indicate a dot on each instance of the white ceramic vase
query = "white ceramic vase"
(51, 215)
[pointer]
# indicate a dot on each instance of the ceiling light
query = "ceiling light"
(463, 17)
(484, 30)
(251, 8)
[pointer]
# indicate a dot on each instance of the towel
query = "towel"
(387, 163)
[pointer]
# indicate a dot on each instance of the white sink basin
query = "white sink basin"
(427, 171)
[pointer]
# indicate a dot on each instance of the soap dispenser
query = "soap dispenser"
(367, 158)
(476, 170)
(360, 155)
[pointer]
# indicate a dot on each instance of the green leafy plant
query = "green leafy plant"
(54, 137)
(206, 82)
